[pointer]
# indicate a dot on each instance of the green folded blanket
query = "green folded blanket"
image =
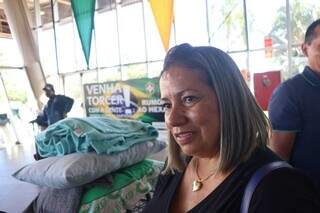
(99, 134)
(129, 185)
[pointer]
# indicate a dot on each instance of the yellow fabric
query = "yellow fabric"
(163, 14)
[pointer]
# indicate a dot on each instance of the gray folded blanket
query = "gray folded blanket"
(52, 200)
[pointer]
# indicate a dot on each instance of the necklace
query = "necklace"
(198, 182)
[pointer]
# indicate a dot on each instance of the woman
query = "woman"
(218, 139)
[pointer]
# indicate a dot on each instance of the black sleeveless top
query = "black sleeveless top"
(284, 190)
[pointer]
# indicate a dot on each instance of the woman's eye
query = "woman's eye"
(166, 106)
(189, 99)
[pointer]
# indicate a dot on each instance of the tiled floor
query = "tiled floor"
(15, 195)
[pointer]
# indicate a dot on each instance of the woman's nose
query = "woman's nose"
(176, 116)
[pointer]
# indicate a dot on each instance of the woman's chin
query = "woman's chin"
(188, 150)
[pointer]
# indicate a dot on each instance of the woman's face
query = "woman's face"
(192, 112)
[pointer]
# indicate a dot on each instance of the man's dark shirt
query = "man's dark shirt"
(56, 108)
(295, 107)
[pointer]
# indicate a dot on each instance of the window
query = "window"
(45, 12)
(9, 53)
(155, 49)
(16, 84)
(226, 24)
(80, 61)
(47, 51)
(303, 14)
(20, 97)
(106, 4)
(30, 6)
(267, 22)
(240, 59)
(4, 26)
(132, 44)
(64, 8)
(73, 89)
(155, 69)
(134, 71)
(89, 77)
(191, 22)
(259, 63)
(109, 74)
(66, 41)
(107, 38)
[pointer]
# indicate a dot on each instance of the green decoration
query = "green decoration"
(83, 11)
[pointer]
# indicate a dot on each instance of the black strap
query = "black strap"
(255, 180)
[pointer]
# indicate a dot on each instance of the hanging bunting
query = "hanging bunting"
(83, 11)
(163, 14)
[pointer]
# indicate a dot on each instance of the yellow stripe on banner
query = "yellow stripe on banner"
(163, 14)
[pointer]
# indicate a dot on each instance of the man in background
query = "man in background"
(56, 109)
(57, 106)
(294, 111)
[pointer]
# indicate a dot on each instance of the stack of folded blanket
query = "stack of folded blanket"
(94, 164)
(98, 134)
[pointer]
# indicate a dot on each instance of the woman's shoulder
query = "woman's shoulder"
(282, 190)
(287, 178)
(164, 190)
(260, 157)
(286, 190)
(166, 178)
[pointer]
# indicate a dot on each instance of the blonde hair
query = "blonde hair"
(243, 125)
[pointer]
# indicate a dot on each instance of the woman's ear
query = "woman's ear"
(304, 48)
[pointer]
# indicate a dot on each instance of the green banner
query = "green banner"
(134, 99)
(83, 11)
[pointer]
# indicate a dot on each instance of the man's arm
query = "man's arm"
(285, 118)
(282, 143)
(68, 104)
(64, 103)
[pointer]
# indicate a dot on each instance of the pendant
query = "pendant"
(196, 185)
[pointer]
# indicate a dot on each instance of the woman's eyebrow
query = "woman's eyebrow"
(179, 94)
(164, 99)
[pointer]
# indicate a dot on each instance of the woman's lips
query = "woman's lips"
(184, 137)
